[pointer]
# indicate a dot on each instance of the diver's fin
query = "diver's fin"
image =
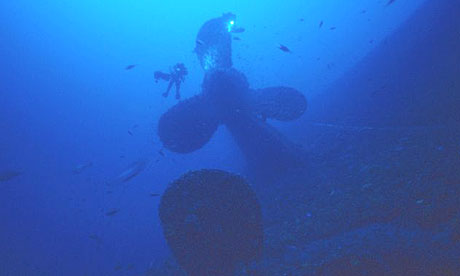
(278, 103)
(163, 76)
(188, 125)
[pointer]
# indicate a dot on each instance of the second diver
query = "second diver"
(176, 76)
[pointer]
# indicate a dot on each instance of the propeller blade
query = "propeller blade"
(188, 125)
(278, 103)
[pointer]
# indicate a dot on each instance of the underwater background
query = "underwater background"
(82, 168)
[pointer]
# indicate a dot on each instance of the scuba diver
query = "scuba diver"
(176, 76)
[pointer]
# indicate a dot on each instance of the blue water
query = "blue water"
(66, 101)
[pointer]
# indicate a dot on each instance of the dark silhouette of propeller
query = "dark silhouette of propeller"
(227, 99)
(212, 222)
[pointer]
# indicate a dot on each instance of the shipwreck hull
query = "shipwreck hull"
(411, 79)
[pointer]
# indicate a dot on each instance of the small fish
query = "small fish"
(321, 24)
(332, 28)
(390, 2)
(95, 238)
(129, 67)
(161, 153)
(112, 212)
(301, 20)
(154, 195)
(130, 132)
(236, 38)
(80, 168)
(284, 48)
(239, 30)
(199, 42)
(132, 171)
(117, 267)
(8, 175)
